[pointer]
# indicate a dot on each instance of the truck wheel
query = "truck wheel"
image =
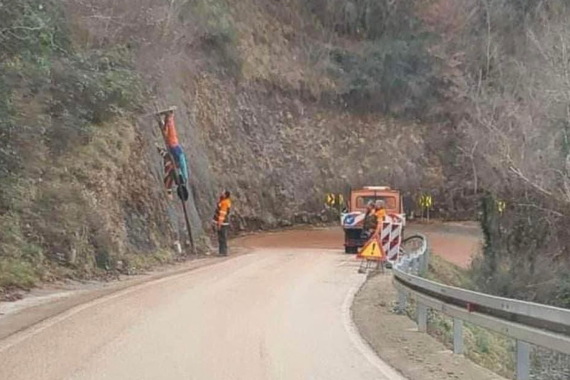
(352, 240)
(350, 249)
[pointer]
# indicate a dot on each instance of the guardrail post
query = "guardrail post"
(422, 317)
(402, 302)
(406, 265)
(417, 265)
(493, 313)
(457, 336)
(425, 264)
(523, 360)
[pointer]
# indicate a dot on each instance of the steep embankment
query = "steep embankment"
(259, 87)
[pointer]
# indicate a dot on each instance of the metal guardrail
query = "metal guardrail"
(527, 322)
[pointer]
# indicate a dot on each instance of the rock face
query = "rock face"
(259, 112)
(255, 115)
(280, 156)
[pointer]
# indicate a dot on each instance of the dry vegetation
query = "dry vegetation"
(515, 127)
(468, 97)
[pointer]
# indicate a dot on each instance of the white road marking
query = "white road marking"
(357, 339)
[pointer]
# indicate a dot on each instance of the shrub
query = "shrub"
(389, 75)
(216, 33)
(372, 19)
(52, 98)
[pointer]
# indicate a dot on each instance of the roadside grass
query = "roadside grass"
(447, 273)
(139, 263)
(488, 349)
(17, 273)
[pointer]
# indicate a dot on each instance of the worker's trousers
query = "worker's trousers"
(223, 240)
(180, 159)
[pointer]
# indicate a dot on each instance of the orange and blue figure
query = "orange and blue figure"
(171, 138)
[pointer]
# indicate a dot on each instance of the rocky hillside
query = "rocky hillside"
(265, 108)
(280, 101)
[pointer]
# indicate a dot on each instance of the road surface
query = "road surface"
(273, 314)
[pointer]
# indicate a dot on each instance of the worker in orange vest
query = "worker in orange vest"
(221, 222)
(380, 210)
(378, 215)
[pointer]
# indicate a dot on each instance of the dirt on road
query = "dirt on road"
(457, 243)
(454, 242)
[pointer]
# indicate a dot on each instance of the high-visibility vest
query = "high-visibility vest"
(170, 132)
(380, 214)
(222, 212)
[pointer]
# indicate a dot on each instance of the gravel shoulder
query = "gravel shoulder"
(396, 339)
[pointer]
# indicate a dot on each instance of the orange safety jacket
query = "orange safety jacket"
(380, 214)
(222, 212)
(169, 131)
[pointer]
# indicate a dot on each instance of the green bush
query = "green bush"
(391, 70)
(17, 273)
(390, 75)
(52, 98)
(75, 88)
(524, 253)
(217, 33)
(372, 19)
(31, 29)
(89, 89)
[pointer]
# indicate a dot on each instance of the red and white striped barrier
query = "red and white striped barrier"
(391, 236)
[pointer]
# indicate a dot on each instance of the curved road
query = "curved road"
(271, 314)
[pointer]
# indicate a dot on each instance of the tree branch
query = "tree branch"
(553, 212)
(521, 176)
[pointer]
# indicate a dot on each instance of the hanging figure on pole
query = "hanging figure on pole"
(168, 130)
(174, 164)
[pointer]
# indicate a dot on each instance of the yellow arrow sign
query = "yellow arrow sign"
(372, 250)
(330, 199)
(501, 206)
(426, 201)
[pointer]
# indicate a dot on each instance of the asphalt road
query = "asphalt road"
(272, 314)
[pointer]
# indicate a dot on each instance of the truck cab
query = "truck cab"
(353, 220)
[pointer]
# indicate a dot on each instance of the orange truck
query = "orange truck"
(353, 221)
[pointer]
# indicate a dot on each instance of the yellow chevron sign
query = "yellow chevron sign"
(426, 201)
(501, 206)
(329, 199)
(334, 199)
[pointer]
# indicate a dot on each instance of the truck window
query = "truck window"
(362, 201)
